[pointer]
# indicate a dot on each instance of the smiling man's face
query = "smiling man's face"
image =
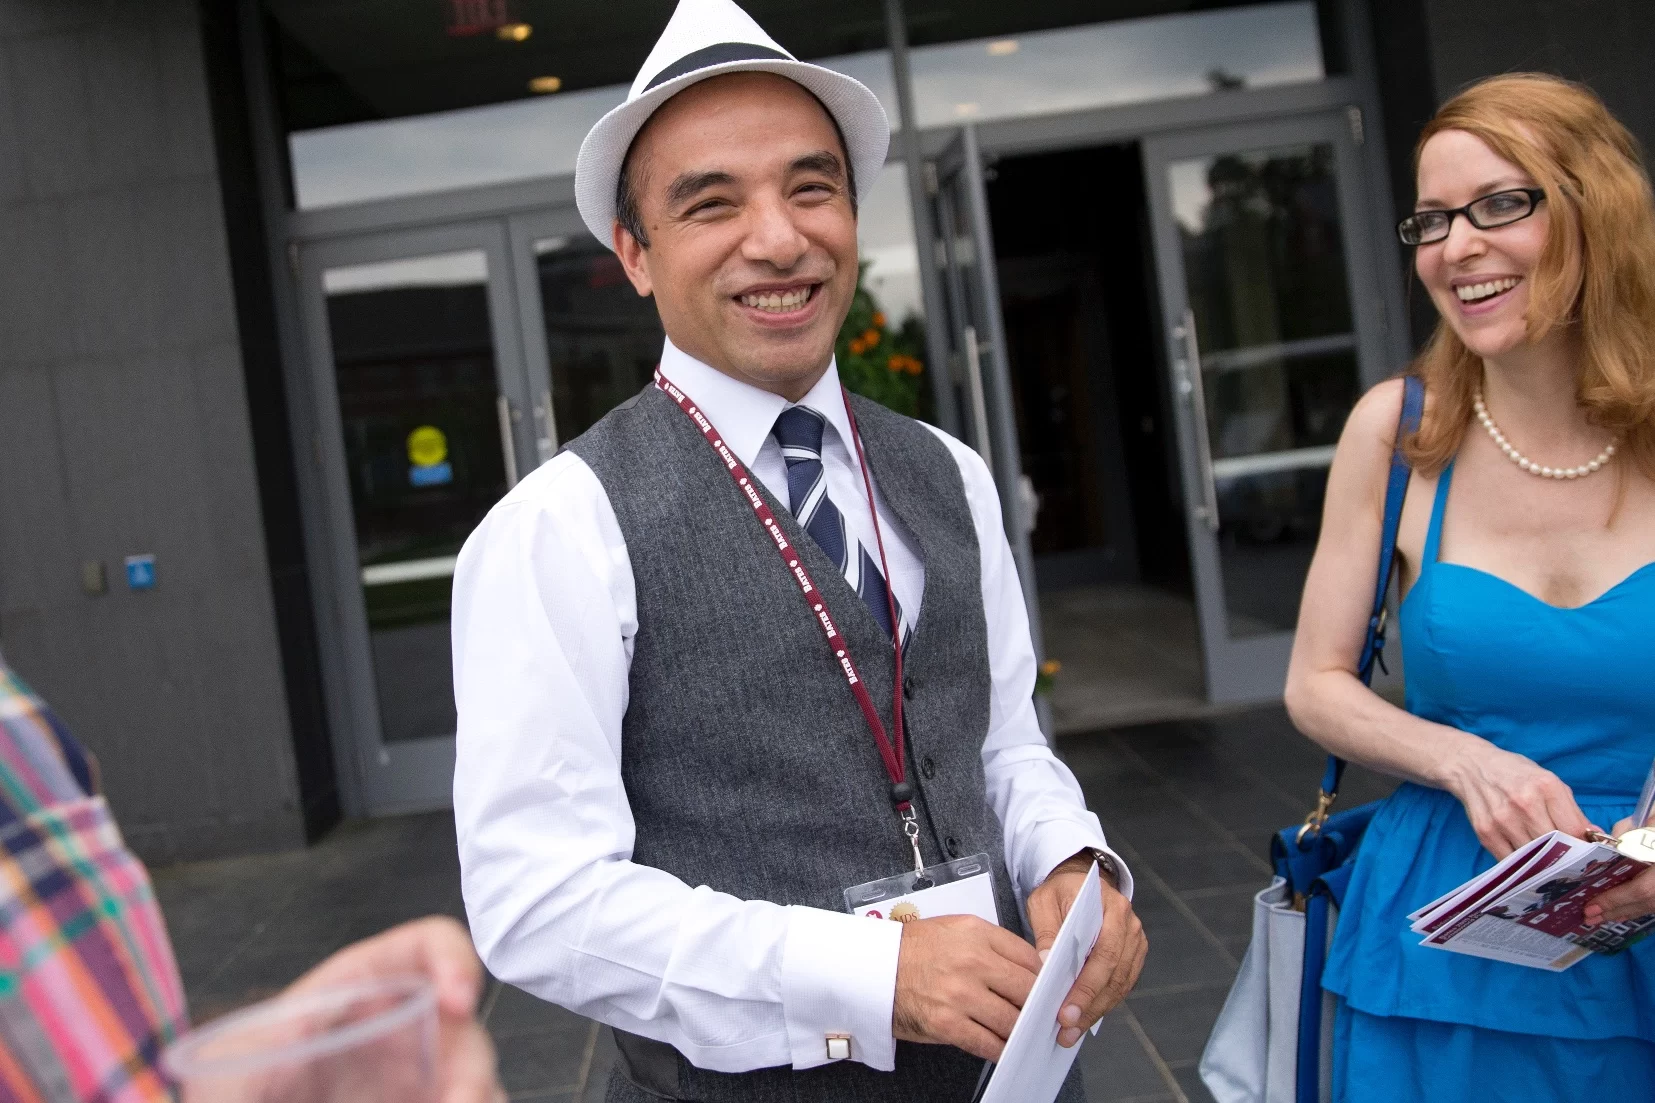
(744, 194)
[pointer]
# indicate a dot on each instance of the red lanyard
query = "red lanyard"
(892, 753)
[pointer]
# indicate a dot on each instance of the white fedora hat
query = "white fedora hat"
(703, 39)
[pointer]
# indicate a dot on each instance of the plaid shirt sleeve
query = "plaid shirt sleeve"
(89, 991)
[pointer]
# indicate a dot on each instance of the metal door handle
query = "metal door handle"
(974, 388)
(508, 439)
(1190, 387)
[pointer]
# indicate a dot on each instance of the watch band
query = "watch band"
(1107, 866)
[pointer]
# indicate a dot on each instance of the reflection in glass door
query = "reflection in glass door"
(421, 385)
(1274, 333)
(598, 338)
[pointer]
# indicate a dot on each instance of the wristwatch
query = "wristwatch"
(1107, 866)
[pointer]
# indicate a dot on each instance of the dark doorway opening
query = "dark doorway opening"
(1073, 248)
(1077, 287)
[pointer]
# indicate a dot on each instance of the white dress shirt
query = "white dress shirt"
(544, 617)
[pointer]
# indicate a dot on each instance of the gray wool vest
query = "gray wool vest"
(747, 763)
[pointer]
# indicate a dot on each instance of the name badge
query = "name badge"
(964, 886)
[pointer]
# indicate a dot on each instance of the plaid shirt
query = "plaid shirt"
(89, 991)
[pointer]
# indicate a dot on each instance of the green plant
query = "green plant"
(879, 362)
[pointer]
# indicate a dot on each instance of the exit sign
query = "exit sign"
(471, 17)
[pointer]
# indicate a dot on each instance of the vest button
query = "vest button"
(908, 686)
(928, 769)
(953, 846)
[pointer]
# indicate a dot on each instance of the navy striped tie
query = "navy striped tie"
(799, 432)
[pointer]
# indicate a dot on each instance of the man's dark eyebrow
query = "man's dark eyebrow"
(822, 161)
(691, 183)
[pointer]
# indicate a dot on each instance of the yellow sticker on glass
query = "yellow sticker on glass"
(427, 446)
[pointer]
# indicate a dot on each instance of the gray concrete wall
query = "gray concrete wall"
(124, 429)
(1609, 44)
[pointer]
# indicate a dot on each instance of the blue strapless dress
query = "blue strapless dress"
(1574, 690)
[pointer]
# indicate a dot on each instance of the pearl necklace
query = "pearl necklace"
(1529, 465)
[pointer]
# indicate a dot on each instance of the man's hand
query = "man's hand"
(960, 981)
(440, 950)
(1116, 960)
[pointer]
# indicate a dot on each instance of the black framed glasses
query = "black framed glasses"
(1502, 208)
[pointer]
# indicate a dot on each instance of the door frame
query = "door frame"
(414, 775)
(1249, 669)
(523, 229)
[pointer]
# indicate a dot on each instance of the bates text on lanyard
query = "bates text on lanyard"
(891, 752)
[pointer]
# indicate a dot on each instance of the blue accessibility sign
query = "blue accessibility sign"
(140, 572)
(433, 474)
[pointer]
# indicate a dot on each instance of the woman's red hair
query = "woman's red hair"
(1596, 273)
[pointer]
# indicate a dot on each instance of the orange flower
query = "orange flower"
(870, 338)
(879, 319)
(1050, 668)
(856, 346)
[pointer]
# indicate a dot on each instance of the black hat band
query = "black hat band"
(717, 54)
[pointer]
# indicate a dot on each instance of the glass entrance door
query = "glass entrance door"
(1270, 293)
(977, 348)
(591, 340)
(420, 388)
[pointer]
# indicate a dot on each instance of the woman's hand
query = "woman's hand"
(1633, 900)
(1510, 800)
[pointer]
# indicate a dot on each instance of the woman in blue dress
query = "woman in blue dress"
(1528, 621)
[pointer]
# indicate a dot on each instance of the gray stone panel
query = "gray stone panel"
(123, 407)
(34, 284)
(54, 114)
(123, 88)
(187, 139)
(11, 155)
(37, 545)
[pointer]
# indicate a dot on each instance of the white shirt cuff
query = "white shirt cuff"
(839, 978)
(1058, 842)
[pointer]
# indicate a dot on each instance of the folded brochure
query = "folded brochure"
(1529, 908)
(1033, 1066)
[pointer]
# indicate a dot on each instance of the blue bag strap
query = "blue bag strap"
(1321, 896)
(1396, 493)
(1308, 1074)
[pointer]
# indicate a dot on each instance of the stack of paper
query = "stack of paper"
(1528, 909)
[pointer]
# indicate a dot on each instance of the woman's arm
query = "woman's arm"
(1509, 799)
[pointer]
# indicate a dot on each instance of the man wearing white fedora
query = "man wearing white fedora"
(744, 673)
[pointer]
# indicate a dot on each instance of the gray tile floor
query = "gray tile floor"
(1190, 804)
(1130, 653)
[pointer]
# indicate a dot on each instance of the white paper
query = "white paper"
(1033, 1067)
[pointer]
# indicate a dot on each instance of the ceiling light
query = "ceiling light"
(966, 110)
(517, 32)
(1000, 47)
(545, 84)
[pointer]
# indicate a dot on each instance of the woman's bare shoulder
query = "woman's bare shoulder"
(1369, 437)
(1376, 413)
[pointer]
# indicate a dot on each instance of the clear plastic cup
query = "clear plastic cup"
(371, 1042)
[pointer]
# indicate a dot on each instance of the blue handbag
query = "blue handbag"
(1316, 857)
